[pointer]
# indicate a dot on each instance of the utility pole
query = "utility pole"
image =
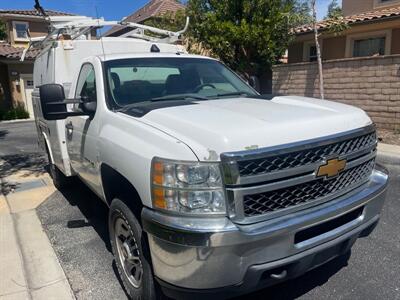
(319, 58)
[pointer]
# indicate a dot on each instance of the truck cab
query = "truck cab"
(213, 189)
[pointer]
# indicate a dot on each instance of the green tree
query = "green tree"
(169, 21)
(334, 10)
(301, 13)
(249, 36)
(175, 22)
(335, 15)
(3, 30)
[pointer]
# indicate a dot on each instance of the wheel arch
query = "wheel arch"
(116, 185)
(48, 147)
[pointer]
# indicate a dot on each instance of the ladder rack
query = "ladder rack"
(75, 27)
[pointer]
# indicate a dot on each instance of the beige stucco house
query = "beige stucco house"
(361, 65)
(16, 81)
(373, 29)
(151, 9)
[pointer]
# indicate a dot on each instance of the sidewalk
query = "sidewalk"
(389, 154)
(29, 268)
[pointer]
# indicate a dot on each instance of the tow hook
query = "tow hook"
(279, 276)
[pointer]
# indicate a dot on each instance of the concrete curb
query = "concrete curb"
(389, 154)
(45, 277)
(28, 262)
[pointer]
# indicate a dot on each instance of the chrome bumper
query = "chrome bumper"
(211, 253)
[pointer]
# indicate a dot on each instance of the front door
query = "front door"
(82, 131)
(28, 89)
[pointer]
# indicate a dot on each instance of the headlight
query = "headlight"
(187, 187)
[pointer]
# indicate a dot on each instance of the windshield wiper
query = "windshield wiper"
(165, 98)
(240, 93)
(180, 97)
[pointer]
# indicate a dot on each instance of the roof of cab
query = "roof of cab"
(112, 48)
(127, 55)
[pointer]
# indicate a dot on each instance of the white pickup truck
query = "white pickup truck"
(213, 189)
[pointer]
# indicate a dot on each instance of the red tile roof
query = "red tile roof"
(32, 13)
(9, 52)
(376, 15)
(151, 9)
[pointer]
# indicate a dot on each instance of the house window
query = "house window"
(20, 30)
(310, 51)
(369, 47)
(312, 54)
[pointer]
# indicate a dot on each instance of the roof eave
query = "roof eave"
(376, 20)
(25, 17)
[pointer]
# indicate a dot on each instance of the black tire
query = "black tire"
(60, 181)
(121, 214)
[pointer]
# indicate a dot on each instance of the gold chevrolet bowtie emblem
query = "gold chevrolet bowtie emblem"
(332, 168)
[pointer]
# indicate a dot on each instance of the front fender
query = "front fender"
(128, 146)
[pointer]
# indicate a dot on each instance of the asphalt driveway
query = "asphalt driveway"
(76, 223)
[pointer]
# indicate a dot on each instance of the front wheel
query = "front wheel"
(129, 247)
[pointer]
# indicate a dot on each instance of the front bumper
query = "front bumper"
(207, 254)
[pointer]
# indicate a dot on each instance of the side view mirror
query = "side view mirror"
(88, 106)
(54, 104)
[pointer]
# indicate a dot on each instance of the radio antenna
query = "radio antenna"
(101, 36)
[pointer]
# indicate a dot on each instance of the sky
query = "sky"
(109, 9)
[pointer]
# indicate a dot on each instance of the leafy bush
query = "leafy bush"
(3, 31)
(18, 112)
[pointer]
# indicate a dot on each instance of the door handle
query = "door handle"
(69, 128)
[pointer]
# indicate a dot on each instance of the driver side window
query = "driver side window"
(86, 86)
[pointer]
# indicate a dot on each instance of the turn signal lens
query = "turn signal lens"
(158, 198)
(158, 170)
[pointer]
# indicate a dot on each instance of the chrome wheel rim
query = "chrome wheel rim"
(128, 252)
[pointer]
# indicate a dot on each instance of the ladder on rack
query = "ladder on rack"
(75, 27)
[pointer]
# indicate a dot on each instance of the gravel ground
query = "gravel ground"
(76, 223)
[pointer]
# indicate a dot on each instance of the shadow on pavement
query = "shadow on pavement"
(31, 164)
(300, 286)
(95, 213)
(7, 187)
(91, 207)
(3, 134)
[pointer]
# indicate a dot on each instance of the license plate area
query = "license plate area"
(320, 229)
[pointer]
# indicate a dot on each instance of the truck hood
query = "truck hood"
(212, 127)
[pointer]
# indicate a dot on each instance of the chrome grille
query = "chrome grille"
(270, 182)
(306, 192)
(305, 157)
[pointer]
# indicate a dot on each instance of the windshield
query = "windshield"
(139, 80)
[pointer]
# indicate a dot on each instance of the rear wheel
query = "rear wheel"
(130, 251)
